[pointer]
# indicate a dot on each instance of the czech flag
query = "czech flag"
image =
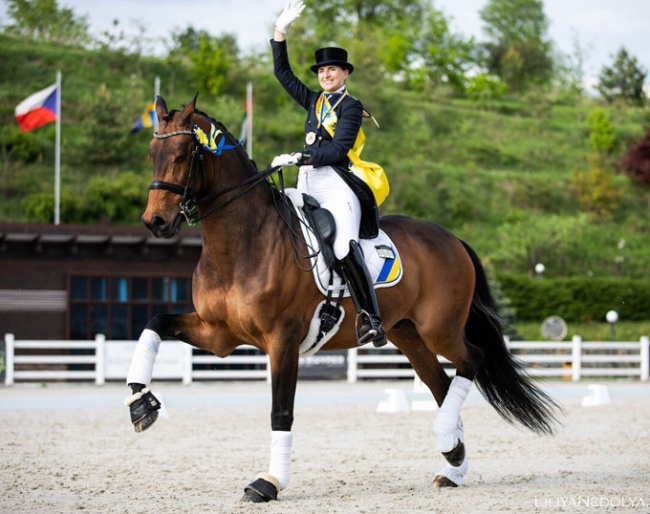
(147, 120)
(38, 109)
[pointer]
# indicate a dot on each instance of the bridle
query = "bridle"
(189, 200)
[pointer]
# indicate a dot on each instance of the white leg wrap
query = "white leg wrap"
(455, 474)
(143, 359)
(280, 457)
(448, 427)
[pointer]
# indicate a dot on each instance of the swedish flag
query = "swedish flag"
(147, 120)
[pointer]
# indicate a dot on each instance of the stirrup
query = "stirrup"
(371, 330)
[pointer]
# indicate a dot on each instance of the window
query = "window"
(120, 306)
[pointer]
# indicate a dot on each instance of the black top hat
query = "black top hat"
(332, 55)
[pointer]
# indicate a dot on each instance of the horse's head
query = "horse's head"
(187, 153)
(170, 152)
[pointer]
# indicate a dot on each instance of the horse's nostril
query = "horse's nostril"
(155, 224)
(157, 221)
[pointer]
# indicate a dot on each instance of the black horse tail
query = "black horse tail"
(501, 378)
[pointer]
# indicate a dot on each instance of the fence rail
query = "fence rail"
(70, 360)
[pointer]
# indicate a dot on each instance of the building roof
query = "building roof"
(37, 238)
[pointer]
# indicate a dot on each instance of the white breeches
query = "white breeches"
(333, 194)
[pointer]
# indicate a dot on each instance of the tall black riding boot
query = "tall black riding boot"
(355, 273)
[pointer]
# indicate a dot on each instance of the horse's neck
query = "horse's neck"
(234, 237)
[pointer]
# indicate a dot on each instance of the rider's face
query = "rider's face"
(332, 78)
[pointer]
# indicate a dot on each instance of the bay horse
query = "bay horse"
(247, 289)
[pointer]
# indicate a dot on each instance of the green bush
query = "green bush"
(21, 147)
(576, 299)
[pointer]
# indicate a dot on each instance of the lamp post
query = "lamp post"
(612, 318)
(539, 269)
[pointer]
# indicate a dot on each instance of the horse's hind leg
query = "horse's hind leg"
(448, 427)
(424, 362)
(426, 365)
(449, 394)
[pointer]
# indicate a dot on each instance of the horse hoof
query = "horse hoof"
(260, 491)
(253, 497)
(456, 456)
(143, 407)
(142, 424)
(442, 481)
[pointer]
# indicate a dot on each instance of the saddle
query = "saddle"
(322, 223)
(319, 230)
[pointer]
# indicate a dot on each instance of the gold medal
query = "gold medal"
(311, 138)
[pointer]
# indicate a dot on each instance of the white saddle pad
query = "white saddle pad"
(380, 254)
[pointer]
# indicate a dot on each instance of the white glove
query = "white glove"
(290, 14)
(286, 159)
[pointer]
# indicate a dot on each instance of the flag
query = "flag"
(38, 109)
(147, 120)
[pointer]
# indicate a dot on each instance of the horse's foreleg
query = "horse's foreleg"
(284, 376)
(143, 405)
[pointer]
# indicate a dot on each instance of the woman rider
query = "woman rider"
(324, 162)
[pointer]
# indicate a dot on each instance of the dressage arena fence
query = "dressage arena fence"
(101, 360)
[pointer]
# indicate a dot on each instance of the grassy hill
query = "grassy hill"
(509, 177)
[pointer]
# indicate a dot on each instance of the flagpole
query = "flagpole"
(57, 154)
(249, 108)
(156, 94)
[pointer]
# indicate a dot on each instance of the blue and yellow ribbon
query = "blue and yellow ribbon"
(209, 141)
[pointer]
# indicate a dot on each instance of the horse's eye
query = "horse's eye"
(180, 157)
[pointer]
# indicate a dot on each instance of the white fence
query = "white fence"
(41, 361)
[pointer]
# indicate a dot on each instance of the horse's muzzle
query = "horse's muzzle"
(162, 228)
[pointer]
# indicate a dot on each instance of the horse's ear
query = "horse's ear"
(161, 108)
(186, 117)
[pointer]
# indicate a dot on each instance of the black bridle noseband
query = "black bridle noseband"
(189, 201)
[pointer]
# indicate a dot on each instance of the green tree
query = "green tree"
(446, 56)
(623, 80)
(518, 49)
(117, 200)
(598, 193)
(525, 242)
(378, 31)
(601, 132)
(107, 116)
(569, 72)
(39, 207)
(44, 20)
(212, 62)
(484, 89)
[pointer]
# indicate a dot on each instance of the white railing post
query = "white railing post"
(9, 359)
(100, 359)
(352, 365)
(506, 340)
(645, 358)
(187, 364)
(576, 358)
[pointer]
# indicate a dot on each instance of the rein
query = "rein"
(189, 202)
